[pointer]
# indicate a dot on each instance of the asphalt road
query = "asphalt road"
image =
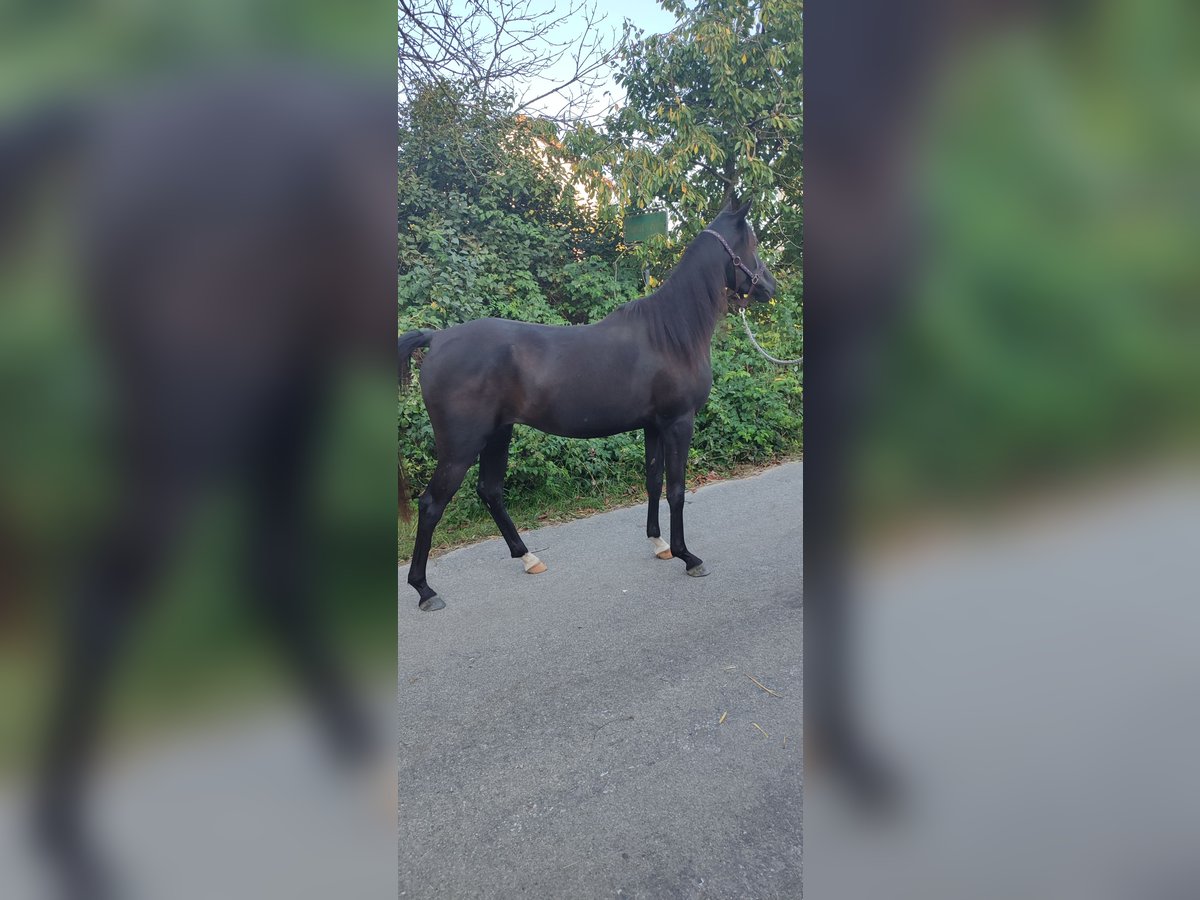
(560, 735)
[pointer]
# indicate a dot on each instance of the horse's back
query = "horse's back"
(504, 346)
(482, 343)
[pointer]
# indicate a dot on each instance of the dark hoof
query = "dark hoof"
(698, 571)
(431, 604)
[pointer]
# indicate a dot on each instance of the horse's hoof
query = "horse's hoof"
(431, 604)
(698, 571)
(660, 548)
(536, 570)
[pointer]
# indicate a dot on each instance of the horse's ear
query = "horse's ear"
(742, 211)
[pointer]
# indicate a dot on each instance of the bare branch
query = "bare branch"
(505, 48)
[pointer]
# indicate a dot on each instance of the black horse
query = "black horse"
(645, 366)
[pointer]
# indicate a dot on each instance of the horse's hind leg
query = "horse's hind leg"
(654, 482)
(446, 480)
(493, 462)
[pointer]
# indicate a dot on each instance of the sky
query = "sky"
(645, 14)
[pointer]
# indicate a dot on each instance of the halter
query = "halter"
(754, 276)
(737, 261)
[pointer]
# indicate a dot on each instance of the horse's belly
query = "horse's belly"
(581, 424)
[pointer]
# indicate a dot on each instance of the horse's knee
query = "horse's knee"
(489, 494)
(675, 494)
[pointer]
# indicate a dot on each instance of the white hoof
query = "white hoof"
(533, 565)
(660, 547)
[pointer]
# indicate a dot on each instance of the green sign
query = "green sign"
(642, 225)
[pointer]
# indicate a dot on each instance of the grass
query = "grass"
(467, 521)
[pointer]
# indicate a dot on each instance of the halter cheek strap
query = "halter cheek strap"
(737, 261)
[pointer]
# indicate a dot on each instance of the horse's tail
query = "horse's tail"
(406, 345)
(30, 148)
(402, 492)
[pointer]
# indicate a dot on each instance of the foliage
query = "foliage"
(488, 225)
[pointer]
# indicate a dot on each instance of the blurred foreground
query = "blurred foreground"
(1002, 414)
(241, 807)
(1031, 681)
(197, 274)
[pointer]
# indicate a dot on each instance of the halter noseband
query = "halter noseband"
(737, 261)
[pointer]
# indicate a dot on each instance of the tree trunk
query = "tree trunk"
(730, 173)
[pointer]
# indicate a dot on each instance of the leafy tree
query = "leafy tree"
(712, 112)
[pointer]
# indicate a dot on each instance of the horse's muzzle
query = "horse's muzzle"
(765, 288)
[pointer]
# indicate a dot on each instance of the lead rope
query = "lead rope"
(766, 355)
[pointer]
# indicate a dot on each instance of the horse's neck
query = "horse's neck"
(699, 291)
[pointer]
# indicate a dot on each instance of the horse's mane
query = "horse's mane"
(680, 316)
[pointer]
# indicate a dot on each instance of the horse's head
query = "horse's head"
(745, 275)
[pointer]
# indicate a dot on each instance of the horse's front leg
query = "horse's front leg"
(677, 440)
(654, 482)
(493, 463)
